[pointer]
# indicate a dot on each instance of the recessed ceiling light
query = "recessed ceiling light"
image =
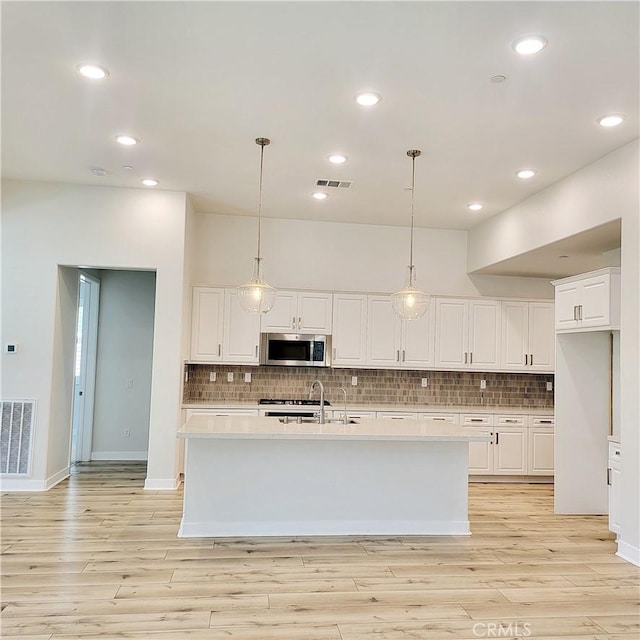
(528, 45)
(128, 167)
(498, 79)
(475, 206)
(98, 171)
(611, 120)
(367, 99)
(92, 71)
(319, 195)
(127, 140)
(563, 257)
(150, 182)
(525, 174)
(337, 158)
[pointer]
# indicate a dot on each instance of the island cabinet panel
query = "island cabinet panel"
(349, 330)
(540, 451)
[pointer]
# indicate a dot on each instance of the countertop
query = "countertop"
(422, 408)
(256, 428)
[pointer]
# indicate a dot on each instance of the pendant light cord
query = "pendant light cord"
(262, 142)
(413, 154)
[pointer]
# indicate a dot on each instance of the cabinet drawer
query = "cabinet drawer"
(451, 418)
(542, 421)
(511, 421)
(479, 420)
(397, 415)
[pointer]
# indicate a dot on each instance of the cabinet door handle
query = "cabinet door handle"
(580, 312)
(526, 359)
(575, 311)
(465, 357)
(293, 322)
(256, 351)
(617, 453)
(470, 357)
(608, 476)
(531, 359)
(497, 437)
(403, 354)
(398, 355)
(219, 349)
(334, 353)
(299, 323)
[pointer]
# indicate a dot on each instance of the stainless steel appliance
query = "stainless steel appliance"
(290, 408)
(295, 350)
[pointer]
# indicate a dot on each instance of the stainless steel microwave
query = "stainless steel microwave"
(295, 350)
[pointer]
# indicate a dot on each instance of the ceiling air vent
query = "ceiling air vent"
(336, 184)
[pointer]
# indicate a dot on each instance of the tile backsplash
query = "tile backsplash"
(374, 387)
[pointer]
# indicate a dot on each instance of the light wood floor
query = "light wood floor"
(98, 556)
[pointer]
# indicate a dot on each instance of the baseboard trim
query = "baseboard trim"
(628, 552)
(161, 484)
(53, 480)
(119, 455)
(9, 484)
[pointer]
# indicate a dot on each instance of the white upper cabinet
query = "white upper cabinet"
(349, 330)
(221, 331)
(241, 336)
(588, 302)
(207, 316)
(395, 343)
(467, 333)
(528, 336)
(304, 312)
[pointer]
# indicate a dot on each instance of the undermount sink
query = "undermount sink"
(295, 420)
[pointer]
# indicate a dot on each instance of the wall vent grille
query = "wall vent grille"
(16, 436)
(334, 184)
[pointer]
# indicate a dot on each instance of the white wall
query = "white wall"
(597, 194)
(344, 257)
(125, 348)
(603, 191)
(45, 225)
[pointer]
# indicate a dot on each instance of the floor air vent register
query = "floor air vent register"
(16, 436)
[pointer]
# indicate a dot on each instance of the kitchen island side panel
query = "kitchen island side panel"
(275, 487)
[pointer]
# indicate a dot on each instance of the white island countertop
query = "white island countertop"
(256, 428)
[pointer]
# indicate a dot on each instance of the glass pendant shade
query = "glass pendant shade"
(410, 303)
(256, 296)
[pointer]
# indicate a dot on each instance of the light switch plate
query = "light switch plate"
(424, 382)
(483, 384)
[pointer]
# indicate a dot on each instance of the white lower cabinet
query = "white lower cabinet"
(510, 453)
(220, 412)
(451, 418)
(540, 451)
(613, 480)
(397, 415)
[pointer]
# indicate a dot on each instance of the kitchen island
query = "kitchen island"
(253, 476)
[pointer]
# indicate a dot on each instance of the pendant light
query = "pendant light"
(410, 303)
(257, 296)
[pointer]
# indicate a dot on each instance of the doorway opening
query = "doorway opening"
(86, 346)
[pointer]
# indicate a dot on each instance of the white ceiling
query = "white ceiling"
(197, 82)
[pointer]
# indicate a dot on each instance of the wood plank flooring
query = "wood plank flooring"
(98, 557)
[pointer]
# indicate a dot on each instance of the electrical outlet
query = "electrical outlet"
(483, 384)
(247, 377)
(549, 386)
(354, 381)
(424, 382)
(126, 433)
(230, 376)
(212, 376)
